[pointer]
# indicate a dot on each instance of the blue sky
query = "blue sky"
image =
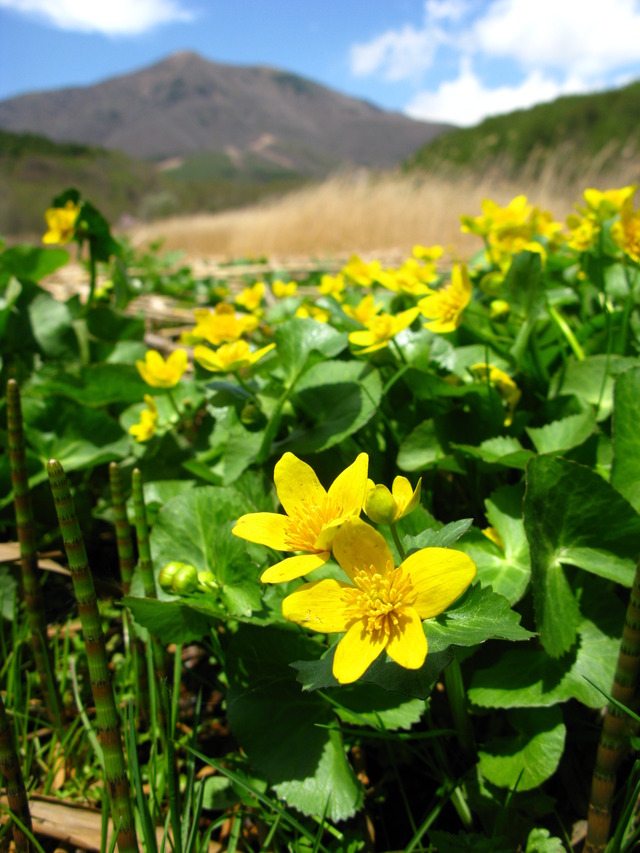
(445, 60)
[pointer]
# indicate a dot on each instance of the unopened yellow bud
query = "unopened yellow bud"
(500, 310)
(380, 505)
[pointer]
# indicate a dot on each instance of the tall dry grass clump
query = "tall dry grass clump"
(360, 212)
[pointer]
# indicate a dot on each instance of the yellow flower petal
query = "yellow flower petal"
(349, 488)
(265, 528)
(356, 651)
(357, 545)
(297, 485)
(408, 646)
(294, 567)
(438, 576)
(319, 606)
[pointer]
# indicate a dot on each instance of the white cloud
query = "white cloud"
(110, 17)
(396, 54)
(466, 100)
(586, 37)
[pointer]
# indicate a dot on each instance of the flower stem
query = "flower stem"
(458, 705)
(566, 330)
(12, 774)
(396, 539)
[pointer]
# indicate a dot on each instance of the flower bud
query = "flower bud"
(208, 579)
(165, 578)
(500, 310)
(185, 579)
(380, 505)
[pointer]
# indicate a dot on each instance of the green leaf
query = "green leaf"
(541, 841)
(565, 434)
(338, 398)
(173, 620)
(506, 569)
(77, 437)
(500, 450)
(417, 683)
(32, 262)
(275, 723)
(478, 615)
(528, 676)
(444, 537)
(421, 449)
(96, 385)
(573, 517)
(528, 758)
(8, 593)
(592, 380)
(361, 703)
(299, 337)
(195, 528)
(625, 469)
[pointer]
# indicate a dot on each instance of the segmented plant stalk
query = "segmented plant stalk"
(107, 719)
(32, 591)
(616, 726)
(145, 563)
(12, 774)
(127, 560)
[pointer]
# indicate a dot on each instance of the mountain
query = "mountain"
(573, 140)
(186, 105)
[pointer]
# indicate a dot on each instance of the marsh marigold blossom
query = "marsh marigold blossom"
(146, 428)
(229, 358)
(282, 289)
(626, 232)
(160, 373)
(222, 325)
(444, 307)
(381, 329)
(251, 297)
(383, 607)
(312, 515)
(502, 382)
(61, 223)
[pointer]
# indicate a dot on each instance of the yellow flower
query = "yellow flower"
(386, 507)
(383, 607)
(413, 278)
(160, 373)
(332, 285)
(282, 289)
(444, 307)
(229, 358)
(626, 232)
(251, 297)
(362, 273)
(61, 222)
(427, 253)
(503, 383)
(312, 518)
(604, 205)
(364, 311)
(219, 326)
(499, 310)
(584, 232)
(315, 312)
(144, 430)
(381, 329)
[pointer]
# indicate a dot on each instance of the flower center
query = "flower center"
(379, 599)
(381, 327)
(305, 527)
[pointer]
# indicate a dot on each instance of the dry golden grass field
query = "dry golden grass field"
(372, 215)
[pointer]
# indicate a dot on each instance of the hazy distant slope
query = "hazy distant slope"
(572, 136)
(186, 104)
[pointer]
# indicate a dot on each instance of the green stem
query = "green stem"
(458, 704)
(567, 332)
(616, 726)
(107, 718)
(32, 591)
(126, 557)
(396, 539)
(92, 279)
(12, 774)
(174, 404)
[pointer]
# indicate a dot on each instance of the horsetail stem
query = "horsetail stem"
(616, 726)
(31, 589)
(127, 561)
(107, 719)
(12, 774)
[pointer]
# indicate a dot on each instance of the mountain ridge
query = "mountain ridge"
(185, 104)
